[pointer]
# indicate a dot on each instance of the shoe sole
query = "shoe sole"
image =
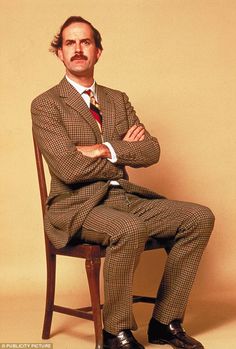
(107, 347)
(162, 342)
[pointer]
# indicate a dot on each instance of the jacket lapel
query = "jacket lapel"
(108, 113)
(73, 99)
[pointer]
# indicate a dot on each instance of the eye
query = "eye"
(86, 42)
(69, 42)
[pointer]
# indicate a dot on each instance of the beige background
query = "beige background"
(176, 60)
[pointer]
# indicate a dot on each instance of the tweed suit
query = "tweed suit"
(83, 204)
(61, 120)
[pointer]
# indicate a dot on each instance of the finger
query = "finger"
(90, 153)
(136, 129)
(128, 134)
(141, 138)
(131, 130)
(140, 130)
(135, 133)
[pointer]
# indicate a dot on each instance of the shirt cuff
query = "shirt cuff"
(113, 158)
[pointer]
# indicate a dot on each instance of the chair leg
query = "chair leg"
(51, 274)
(93, 273)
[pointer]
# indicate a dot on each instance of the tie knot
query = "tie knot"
(88, 92)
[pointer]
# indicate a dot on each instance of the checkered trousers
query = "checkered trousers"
(124, 222)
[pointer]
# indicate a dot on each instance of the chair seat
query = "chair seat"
(86, 250)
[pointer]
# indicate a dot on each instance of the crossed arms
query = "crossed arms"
(85, 163)
(134, 134)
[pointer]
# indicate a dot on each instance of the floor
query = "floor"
(212, 321)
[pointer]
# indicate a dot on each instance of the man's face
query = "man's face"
(79, 52)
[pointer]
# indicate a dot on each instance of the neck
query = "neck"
(85, 81)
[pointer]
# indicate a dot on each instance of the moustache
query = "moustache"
(78, 57)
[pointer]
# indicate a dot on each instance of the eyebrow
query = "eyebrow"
(71, 40)
(86, 39)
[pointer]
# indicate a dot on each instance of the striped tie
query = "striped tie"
(94, 108)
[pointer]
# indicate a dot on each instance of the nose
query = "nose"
(78, 47)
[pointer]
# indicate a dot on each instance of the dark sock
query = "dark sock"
(108, 335)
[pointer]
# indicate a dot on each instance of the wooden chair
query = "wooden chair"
(92, 255)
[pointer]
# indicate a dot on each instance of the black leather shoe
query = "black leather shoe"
(124, 340)
(172, 334)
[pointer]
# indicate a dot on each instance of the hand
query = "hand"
(94, 151)
(135, 133)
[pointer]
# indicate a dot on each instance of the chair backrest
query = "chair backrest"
(41, 175)
(43, 194)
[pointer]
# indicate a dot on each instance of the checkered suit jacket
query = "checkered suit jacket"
(62, 120)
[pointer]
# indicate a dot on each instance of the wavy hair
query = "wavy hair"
(56, 43)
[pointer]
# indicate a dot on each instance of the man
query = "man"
(88, 134)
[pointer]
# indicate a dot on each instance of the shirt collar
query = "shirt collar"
(81, 88)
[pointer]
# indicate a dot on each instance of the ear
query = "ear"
(60, 54)
(99, 52)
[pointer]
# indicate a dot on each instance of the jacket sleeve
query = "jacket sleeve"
(136, 154)
(60, 153)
